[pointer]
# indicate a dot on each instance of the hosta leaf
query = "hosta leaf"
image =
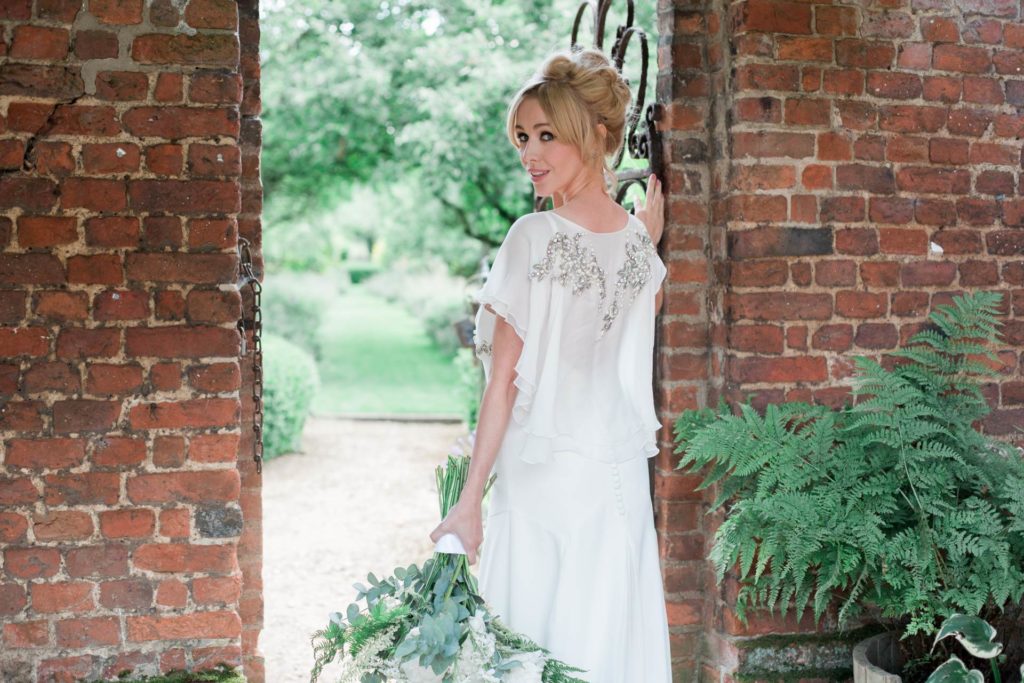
(974, 633)
(954, 671)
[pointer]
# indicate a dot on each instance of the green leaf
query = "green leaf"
(954, 671)
(974, 633)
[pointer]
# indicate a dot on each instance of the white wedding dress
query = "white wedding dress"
(570, 554)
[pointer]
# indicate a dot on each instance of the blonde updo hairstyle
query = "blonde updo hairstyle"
(577, 90)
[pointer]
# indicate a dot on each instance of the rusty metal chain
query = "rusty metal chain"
(248, 278)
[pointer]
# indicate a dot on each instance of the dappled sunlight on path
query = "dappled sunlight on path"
(360, 498)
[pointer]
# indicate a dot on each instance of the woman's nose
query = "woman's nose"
(528, 152)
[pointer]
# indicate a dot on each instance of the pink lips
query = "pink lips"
(537, 179)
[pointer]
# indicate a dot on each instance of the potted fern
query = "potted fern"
(894, 509)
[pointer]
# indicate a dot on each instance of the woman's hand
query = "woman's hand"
(465, 520)
(652, 210)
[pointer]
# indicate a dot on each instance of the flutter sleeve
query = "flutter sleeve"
(509, 290)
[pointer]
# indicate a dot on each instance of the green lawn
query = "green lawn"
(378, 359)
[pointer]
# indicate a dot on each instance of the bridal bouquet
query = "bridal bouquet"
(430, 624)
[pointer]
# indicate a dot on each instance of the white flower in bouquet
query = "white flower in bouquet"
(474, 662)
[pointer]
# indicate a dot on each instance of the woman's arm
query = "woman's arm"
(465, 518)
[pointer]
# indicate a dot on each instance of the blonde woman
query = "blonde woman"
(565, 332)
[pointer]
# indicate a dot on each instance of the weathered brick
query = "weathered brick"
(24, 341)
(191, 341)
(26, 634)
(64, 525)
(121, 304)
(85, 415)
(787, 369)
(46, 231)
(107, 561)
(12, 599)
(112, 231)
(168, 451)
(112, 378)
(761, 242)
(183, 558)
(222, 485)
(31, 563)
(215, 377)
(852, 304)
(217, 590)
(82, 488)
(130, 594)
(88, 632)
(182, 268)
(127, 523)
(13, 527)
(61, 306)
(779, 306)
(43, 453)
(118, 451)
(17, 490)
(71, 596)
(198, 625)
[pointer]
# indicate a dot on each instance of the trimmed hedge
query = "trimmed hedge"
(295, 305)
(290, 380)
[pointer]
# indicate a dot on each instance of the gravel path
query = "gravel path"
(359, 498)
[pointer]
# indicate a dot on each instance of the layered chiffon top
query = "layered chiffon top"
(583, 304)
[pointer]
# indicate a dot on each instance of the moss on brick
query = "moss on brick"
(838, 674)
(220, 674)
(774, 639)
(800, 656)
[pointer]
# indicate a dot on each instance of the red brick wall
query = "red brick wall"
(837, 170)
(128, 164)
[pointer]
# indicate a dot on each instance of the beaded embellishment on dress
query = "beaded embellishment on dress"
(578, 263)
(633, 275)
(575, 261)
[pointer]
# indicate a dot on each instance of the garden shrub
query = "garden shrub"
(470, 384)
(435, 298)
(296, 303)
(290, 381)
(358, 271)
(896, 503)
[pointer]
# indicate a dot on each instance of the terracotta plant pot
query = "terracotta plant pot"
(876, 657)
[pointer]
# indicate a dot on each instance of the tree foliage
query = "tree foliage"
(406, 98)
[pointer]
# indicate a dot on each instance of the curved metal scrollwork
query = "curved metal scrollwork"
(642, 144)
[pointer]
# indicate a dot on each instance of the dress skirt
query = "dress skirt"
(570, 559)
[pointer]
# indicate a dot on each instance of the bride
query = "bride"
(565, 333)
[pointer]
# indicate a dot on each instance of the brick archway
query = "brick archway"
(818, 157)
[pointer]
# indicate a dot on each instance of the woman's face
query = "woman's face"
(559, 164)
